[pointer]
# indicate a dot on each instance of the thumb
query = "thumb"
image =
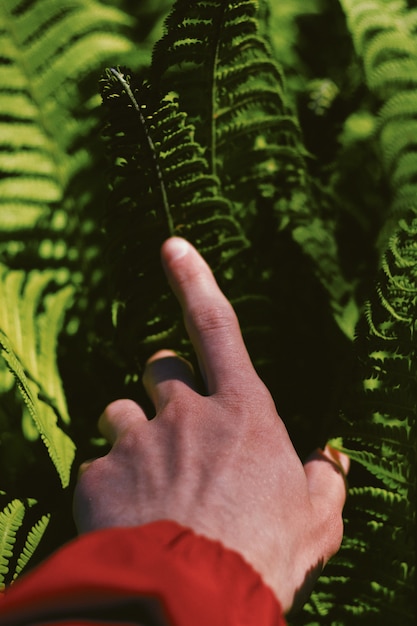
(326, 471)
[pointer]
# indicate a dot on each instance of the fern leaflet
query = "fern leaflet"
(28, 339)
(32, 541)
(11, 519)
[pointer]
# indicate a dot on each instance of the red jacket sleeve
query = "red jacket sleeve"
(160, 574)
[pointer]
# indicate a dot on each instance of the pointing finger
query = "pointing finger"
(209, 318)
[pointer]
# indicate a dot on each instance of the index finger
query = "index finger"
(209, 318)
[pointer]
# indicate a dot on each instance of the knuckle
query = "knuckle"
(181, 409)
(116, 410)
(129, 444)
(91, 474)
(247, 395)
(212, 318)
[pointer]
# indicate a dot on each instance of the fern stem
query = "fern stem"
(161, 183)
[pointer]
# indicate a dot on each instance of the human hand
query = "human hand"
(223, 463)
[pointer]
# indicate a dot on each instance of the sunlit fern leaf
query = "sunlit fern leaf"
(29, 328)
(60, 447)
(161, 186)
(11, 519)
(47, 49)
(390, 74)
(32, 541)
(399, 107)
(33, 319)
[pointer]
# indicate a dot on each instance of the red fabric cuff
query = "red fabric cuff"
(196, 580)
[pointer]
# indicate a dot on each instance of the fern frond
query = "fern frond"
(394, 503)
(32, 541)
(48, 48)
(379, 431)
(214, 56)
(385, 39)
(233, 90)
(11, 519)
(16, 529)
(29, 328)
(162, 186)
(400, 107)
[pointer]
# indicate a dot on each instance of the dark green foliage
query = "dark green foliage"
(280, 139)
(233, 91)
(161, 186)
(379, 432)
(378, 428)
(231, 88)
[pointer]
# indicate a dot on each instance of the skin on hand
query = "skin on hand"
(222, 464)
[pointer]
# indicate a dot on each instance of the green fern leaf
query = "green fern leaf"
(213, 55)
(385, 39)
(162, 186)
(11, 519)
(29, 328)
(32, 541)
(13, 523)
(379, 431)
(60, 447)
(230, 87)
(47, 49)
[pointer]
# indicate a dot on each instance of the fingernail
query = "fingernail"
(339, 458)
(177, 248)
